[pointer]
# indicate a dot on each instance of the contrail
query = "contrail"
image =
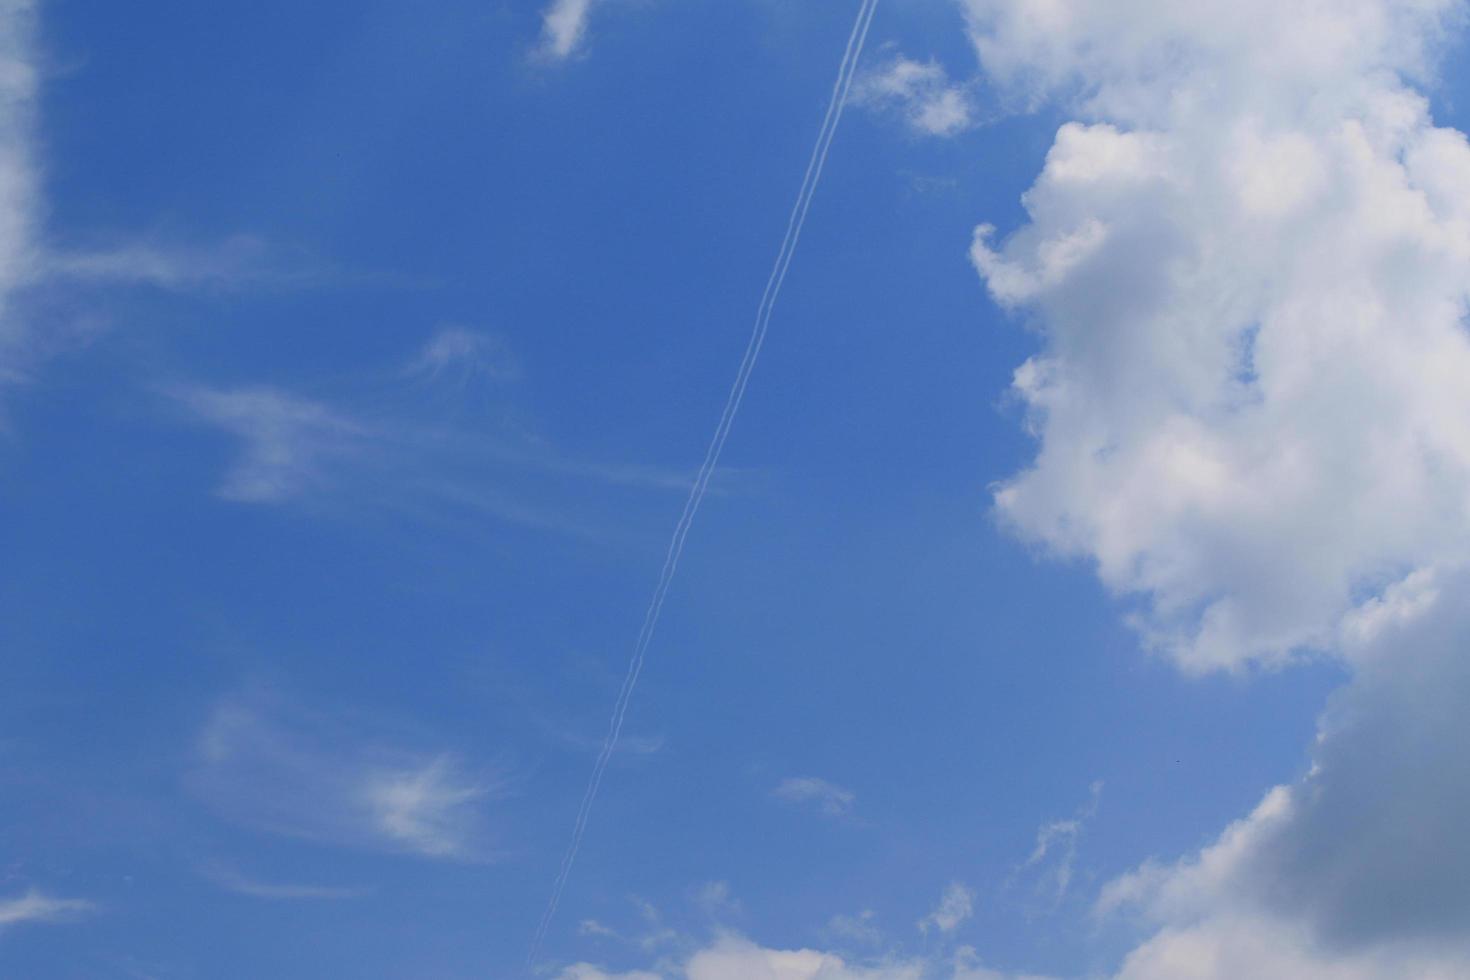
(845, 74)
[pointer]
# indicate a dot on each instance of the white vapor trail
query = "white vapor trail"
(845, 74)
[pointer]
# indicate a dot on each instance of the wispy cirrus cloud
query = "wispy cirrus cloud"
(290, 445)
(955, 906)
(280, 768)
(467, 356)
(33, 267)
(34, 907)
(236, 262)
(827, 798)
(239, 883)
(1053, 860)
(429, 436)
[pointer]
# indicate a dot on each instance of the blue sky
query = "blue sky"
(355, 363)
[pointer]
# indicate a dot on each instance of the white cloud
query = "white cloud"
(1363, 860)
(1054, 856)
(564, 27)
(290, 444)
(586, 971)
(955, 906)
(237, 261)
(423, 807)
(19, 181)
(591, 927)
(232, 880)
(283, 769)
(731, 957)
(466, 355)
(1248, 265)
(736, 959)
(1247, 268)
(436, 444)
(30, 263)
(831, 799)
(921, 93)
(33, 907)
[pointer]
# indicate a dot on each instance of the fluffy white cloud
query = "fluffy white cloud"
(1248, 269)
(734, 958)
(921, 93)
(1248, 264)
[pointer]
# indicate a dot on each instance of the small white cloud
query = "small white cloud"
(465, 354)
(1054, 857)
(422, 807)
(831, 799)
(33, 907)
(920, 92)
(564, 27)
(955, 906)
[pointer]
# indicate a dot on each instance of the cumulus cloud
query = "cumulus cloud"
(34, 907)
(921, 93)
(733, 957)
(1247, 267)
(1247, 262)
(283, 769)
(829, 798)
(1363, 860)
